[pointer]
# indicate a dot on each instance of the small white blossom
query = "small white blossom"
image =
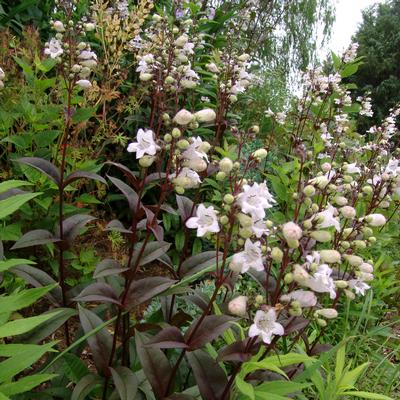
(265, 326)
(321, 281)
(54, 48)
(327, 218)
(250, 257)
(358, 286)
(145, 144)
(255, 199)
(205, 221)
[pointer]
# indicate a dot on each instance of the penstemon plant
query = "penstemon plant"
(209, 204)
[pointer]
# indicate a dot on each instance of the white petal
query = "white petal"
(254, 331)
(192, 223)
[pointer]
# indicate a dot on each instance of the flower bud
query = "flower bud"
(183, 144)
(353, 260)
(341, 284)
(293, 243)
(326, 167)
(169, 80)
(375, 220)
(176, 133)
(321, 236)
(349, 294)
(245, 233)
(348, 212)
(168, 138)
(277, 254)
(259, 299)
(226, 165)
(260, 154)
(340, 200)
(372, 239)
(300, 275)
(366, 267)
(84, 83)
(288, 278)
(328, 313)
(206, 115)
(244, 220)
(58, 26)
(89, 26)
(183, 117)
(321, 322)
(145, 76)
(295, 312)
(359, 244)
(291, 231)
(224, 220)
(179, 190)
(255, 129)
(330, 256)
(367, 189)
(309, 190)
(238, 306)
(307, 224)
(220, 176)
(146, 161)
(229, 199)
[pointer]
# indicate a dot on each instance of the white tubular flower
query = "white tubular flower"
(89, 26)
(291, 231)
(375, 220)
(251, 257)
(54, 48)
(2, 74)
(327, 218)
(255, 199)
(358, 286)
(238, 306)
(212, 68)
(321, 281)
(206, 115)
(306, 298)
(259, 228)
(183, 117)
(145, 144)
(84, 83)
(205, 221)
(187, 179)
(265, 326)
(195, 155)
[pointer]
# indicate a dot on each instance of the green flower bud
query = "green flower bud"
(307, 224)
(309, 190)
(229, 199)
(353, 260)
(245, 233)
(179, 190)
(367, 189)
(321, 236)
(330, 256)
(167, 138)
(259, 299)
(183, 144)
(360, 244)
(176, 133)
(146, 161)
(294, 312)
(372, 239)
(224, 220)
(221, 176)
(288, 278)
(293, 243)
(341, 284)
(226, 165)
(345, 244)
(321, 322)
(277, 254)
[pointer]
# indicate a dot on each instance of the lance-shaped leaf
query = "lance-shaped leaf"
(12, 184)
(180, 396)
(13, 203)
(210, 377)
(151, 252)
(199, 262)
(152, 224)
(44, 166)
(237, 351)
(100, 343)
(116, 225)
(131, 175)
(294, 324)
(108, 267)
(35, 238)
(72, 226)
(130, 195)
(83, 175)
(99, 291)
(210, 328)
(145, 289)
(168, 338)
(47, 328)
(185, 207)
(25, 384)
(125, 382)
(85, 386)
(5, 265)
(155, 366)
(38, 278)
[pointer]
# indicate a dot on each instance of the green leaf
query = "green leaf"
(246, 388)
(367, 395)
(13, 203)
(349, 69)
(83, 114)
(25, 384)
(350, 378)
(281, 387)
(12, 184)
(7, 264)
(16, 364)
(19, 326)
(340, 360)
(85, 386)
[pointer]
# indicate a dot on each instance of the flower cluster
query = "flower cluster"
(2, 76)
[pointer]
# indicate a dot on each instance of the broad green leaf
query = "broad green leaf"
(350, 378)
(281, 387)
(7, 264)
(244, 387)
(23, 325)
(13, 184)
(13, 203)
(25, 384)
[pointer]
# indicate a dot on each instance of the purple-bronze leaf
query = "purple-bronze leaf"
(152, 251)
(108, 267)
(199, 262)
(210, 328)
(35, 238)
(180, 396)
(145, 289)
(125, 382)
(132, 176)
(100, 343)
(294, 324)
(168, 338)
(210, 377)
(237, 351)
(83, 174)
(155, 366)
(42, 165)
(130, 195)
(72, 226)
(98, 292)
(85, 386)
(185, 207)
(116, 225)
